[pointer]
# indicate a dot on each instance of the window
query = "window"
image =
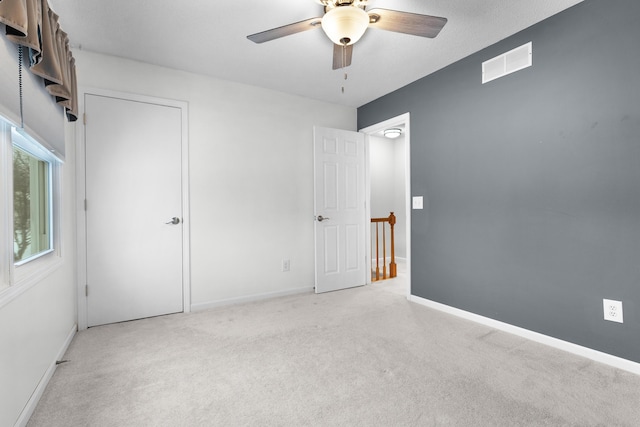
(32, 235)
(29, 217)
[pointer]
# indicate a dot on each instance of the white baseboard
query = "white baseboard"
(42, 385)
(598, 356)
(249, 298)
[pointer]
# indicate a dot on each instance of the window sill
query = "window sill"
(30, 275)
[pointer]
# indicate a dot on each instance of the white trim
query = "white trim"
(81, 220)
(34, 257)
(22, 276)
(33, 278)
(26, 413)
(367, 203)
(81, 195)
(250, 298)
(394, 121)
(598, 356)
(186, 212)
(6, 214)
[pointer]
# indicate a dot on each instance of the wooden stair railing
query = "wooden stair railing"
(375, 274)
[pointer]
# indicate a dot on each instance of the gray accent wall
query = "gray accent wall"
(531, 182)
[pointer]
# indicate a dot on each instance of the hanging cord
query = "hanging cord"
(344, 61)
(20, 84)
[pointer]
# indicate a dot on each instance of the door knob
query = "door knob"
(174, 220)
(321, 218)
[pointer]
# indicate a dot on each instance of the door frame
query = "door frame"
(81, 230)
(370, 130)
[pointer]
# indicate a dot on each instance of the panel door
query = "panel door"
(340, 216)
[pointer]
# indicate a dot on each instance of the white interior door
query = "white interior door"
(340, 216)
(133, 209)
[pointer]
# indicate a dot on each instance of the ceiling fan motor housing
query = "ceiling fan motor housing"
(345, 24)
(330, 4)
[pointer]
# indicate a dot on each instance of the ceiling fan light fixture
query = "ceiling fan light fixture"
(344, 25)
(392, 133)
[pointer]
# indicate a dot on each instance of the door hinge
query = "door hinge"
(86, 290)
(84, 118)
(85, 205)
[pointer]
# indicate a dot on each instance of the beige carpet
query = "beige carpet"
(360, 357)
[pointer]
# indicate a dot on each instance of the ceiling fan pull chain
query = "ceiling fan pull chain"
(344, 60)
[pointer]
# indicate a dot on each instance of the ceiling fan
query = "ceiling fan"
(345, 21)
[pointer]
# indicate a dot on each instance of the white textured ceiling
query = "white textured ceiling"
(209, 37)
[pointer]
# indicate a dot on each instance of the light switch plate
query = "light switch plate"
(417, 202)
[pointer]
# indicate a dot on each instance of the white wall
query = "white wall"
(36, 324)
(251, 175)
(382, 166)
(387, 169)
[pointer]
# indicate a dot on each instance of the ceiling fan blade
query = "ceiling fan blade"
(340, 54)
(405, 22)
(286, 30)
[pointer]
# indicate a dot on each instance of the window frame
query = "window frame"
(17, 277)
(20, 146)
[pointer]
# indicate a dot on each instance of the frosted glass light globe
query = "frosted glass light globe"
(344, 25)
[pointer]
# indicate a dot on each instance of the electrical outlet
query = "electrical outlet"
(612, 310)
(286, 265)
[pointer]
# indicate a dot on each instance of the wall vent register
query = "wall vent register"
(507, 63)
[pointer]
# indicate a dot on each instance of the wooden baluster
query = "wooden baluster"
(377, 254)
(393, 272)
(373, 278)
(392, 267)
(384, 253)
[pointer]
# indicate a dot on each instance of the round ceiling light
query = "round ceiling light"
(344, 25)
(392, 133)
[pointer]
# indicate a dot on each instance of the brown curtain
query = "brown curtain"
(31, 23)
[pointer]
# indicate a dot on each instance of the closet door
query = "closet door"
(133, 209)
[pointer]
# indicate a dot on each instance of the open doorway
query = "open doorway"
(389, 190)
